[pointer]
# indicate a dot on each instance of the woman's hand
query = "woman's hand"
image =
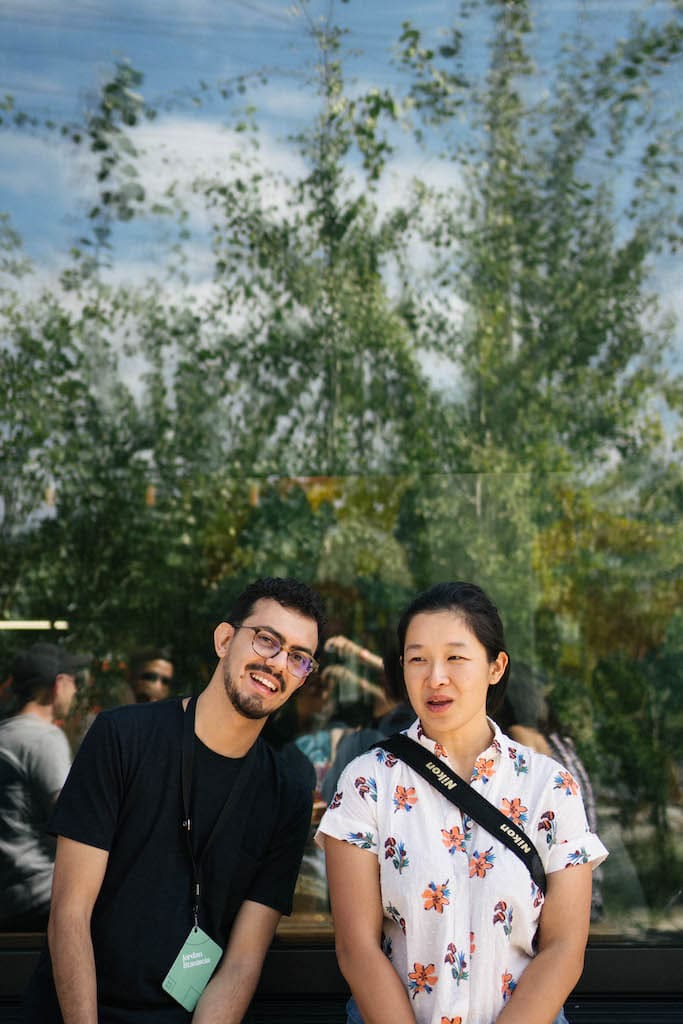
(562, 937)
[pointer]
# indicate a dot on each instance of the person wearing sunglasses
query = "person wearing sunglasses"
(180, 833)
(151, 674)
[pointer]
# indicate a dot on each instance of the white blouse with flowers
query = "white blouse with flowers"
(460, 909)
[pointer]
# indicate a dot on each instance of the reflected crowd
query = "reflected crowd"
(353, 701)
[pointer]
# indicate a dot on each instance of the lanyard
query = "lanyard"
(238, 786)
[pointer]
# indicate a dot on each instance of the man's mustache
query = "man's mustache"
(260, 667)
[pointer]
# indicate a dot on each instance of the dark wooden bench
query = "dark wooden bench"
(302, 984)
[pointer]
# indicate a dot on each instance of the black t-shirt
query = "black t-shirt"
(124, 795)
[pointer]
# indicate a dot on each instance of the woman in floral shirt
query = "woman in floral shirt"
(436, 921)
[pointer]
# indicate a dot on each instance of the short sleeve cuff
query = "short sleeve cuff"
(358, 833)
(586, 848)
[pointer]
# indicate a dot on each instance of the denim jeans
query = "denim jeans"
(354, 1017)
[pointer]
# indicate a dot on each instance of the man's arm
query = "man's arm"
(78, 874)
(227, 996)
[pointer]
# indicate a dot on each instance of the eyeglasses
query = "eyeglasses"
(267, 646)
(153, 677)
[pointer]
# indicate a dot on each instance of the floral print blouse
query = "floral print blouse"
(460, 909)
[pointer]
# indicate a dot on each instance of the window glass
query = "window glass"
(593, 627)
(320, 292)
(586, 687)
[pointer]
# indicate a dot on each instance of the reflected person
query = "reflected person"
(150, 674)
(34, 762)
(527, 717)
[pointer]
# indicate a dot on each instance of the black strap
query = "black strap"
(238, 787)
(460, 793)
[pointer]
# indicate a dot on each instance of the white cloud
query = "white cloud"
(403, 171)
(37, 166)
(291, 103)
(178, 151)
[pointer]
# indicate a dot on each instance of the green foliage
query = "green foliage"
(561, 341)
(162, 444)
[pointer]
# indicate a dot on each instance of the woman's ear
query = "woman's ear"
(497, 668)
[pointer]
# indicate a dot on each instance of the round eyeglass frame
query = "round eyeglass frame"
(293, 667)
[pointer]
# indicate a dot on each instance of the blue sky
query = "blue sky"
(54, 53)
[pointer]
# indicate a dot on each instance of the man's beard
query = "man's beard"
(250, 706)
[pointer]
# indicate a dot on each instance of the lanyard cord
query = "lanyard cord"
(187, 769)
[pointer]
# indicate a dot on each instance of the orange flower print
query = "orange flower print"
(436, 896)
(565, 781)
(480, 863)
(440, 751)
(451, 1020)
(453, 839)
(472, 945)
(404, 798)
(483, 769)
(507, 986)
(515, 810)
(421, 979)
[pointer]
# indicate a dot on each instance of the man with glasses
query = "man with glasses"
(180, 834)
(34, 761)
(151, 674)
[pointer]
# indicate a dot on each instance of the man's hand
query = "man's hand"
(227, 996)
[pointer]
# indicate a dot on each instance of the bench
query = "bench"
(302, 984)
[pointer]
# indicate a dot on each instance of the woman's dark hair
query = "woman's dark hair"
(480, 615)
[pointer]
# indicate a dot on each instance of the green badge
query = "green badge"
(192, 968)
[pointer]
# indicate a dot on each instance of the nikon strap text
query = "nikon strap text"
(460, 793)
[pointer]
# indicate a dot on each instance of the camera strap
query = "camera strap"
(460, 793)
